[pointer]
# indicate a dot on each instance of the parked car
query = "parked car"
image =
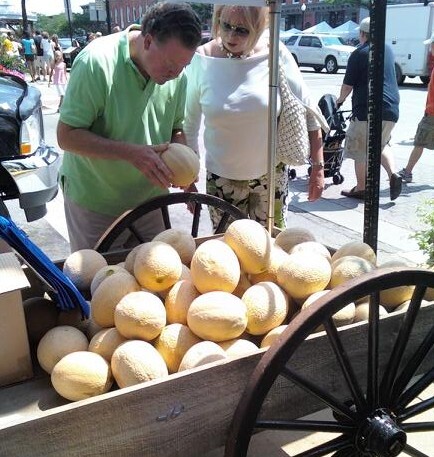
(319, 51)
(70, 49)
(28, 167)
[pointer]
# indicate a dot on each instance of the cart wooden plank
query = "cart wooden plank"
(186, 414)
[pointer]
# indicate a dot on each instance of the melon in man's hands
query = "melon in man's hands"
(183, 162)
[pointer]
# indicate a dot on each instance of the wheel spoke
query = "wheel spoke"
(409, 371)
(336, 444)
(308, 386)
(411, 393)
(401, 343)
(410, 450)
(418, 427)
(345, 365)
(373, 344)
(305, 425)
(416, 409)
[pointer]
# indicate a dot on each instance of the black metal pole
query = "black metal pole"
(375, 115)
(69, 14)
(109, 22)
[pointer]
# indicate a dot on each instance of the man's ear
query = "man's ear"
(147, 40)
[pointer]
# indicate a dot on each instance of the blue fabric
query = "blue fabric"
(66, 294)
(357, 76)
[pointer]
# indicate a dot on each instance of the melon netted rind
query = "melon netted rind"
(358, 249)
(251, 243)
(215, 266)
(291, 236)
(58, 342)
(81, 375)
(217, 316)
(183, 162)
(140, 315)
(136, 361)
(173, 342)
(181, 240)
(82, 265)
(157, 266)
(200, 354)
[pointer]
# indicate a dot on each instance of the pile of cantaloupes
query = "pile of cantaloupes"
(172, 306)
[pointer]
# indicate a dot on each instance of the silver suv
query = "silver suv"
(28, 167)
(319, 51)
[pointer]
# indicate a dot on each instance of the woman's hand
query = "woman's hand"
(316, 183)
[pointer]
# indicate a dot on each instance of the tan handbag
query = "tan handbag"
(292, 135)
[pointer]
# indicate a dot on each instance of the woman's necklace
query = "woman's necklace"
(230, 55)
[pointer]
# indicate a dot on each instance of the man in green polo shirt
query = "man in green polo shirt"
(124, 104)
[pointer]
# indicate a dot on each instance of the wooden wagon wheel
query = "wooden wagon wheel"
(125, 223)
(374, 399)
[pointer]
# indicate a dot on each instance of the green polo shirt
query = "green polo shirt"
(107, 95)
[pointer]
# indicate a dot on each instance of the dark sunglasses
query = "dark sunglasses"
(240, 31)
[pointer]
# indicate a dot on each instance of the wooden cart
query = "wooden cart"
(364, 372)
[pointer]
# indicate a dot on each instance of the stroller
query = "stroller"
(332, 141)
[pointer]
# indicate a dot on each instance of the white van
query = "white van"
(407, 26)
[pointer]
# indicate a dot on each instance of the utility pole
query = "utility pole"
(107, 10)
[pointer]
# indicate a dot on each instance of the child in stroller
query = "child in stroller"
(332, 141)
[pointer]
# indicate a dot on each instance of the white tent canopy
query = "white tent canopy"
(348, 30)
(322, 27)
(288, 33)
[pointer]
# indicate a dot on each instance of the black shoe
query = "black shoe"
(37, 78)
(395, 186)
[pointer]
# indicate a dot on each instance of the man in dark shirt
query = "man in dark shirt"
(39, 63)
(356, 81)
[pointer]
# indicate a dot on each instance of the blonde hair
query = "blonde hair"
(255, 17)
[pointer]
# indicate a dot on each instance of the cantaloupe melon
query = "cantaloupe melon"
(135, 361)
(157, 266)
(342, 317)
(173, 342)
(108, 295)
(267, 307)
(238, 347)
(272, 336)
(312, 246)
(181, 240)
(362, 312)
(251, 243)
(291, 236)
(81, 266)
(58, 342)
(105, 342)
(217, 316)
(140, 315)
(215, 266)
(358, 249)
(183, 162)
(348, 267)
(278, 255)
(301, 275)
(104, 273)
(81, 375)
(131, 258)
(200, 354)
(185, 274)
(391, 298)
(178, 300)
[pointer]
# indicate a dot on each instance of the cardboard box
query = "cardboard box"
(15, 359)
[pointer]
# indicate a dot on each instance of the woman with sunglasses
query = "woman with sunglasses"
(228, 83)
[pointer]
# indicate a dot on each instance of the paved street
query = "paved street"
(334, 219)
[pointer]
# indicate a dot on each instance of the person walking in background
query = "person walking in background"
(356, 81)
(125, 102)
(425, 131)
(48, 53)
(39, 63)
(228, 83)
(59, 76)
(29, 51)
(56, 44)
